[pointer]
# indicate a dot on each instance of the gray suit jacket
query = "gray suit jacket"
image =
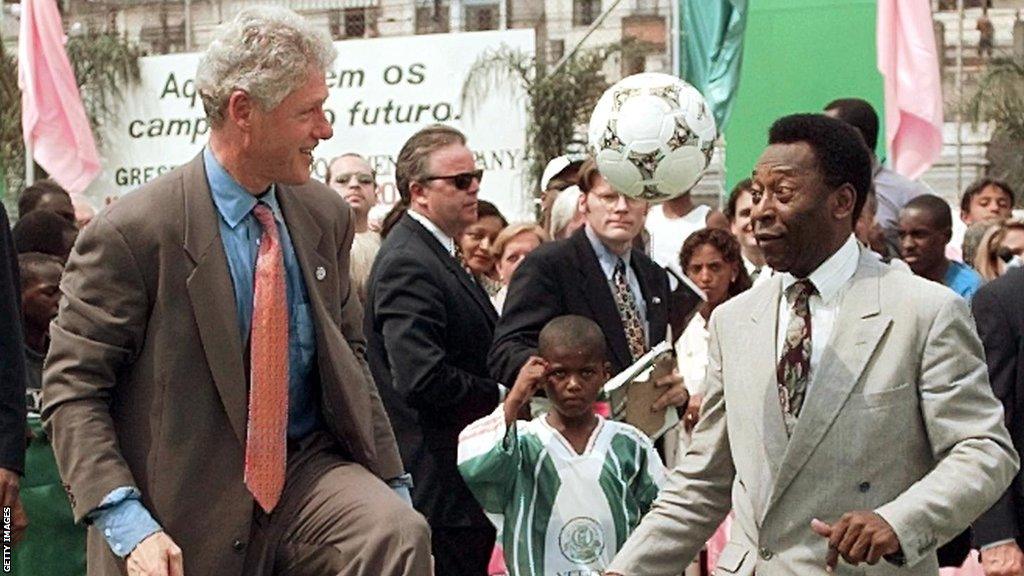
(899, 419)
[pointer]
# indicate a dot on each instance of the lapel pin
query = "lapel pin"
(656, 300)
(321, 273)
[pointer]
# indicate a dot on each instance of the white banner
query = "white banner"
(381, 92)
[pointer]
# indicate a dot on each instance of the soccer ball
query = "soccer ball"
(653, 136)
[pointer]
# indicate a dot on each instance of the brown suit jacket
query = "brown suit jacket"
(145, 381)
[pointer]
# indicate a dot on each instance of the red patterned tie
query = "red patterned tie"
(268, 394)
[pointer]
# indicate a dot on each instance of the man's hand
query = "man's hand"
(157, 555)
(858, 537)
(19, 522)
(9, 481)
(675, 393)
(1003, 560)
(692, 411)
(10, 498)
(531, 378)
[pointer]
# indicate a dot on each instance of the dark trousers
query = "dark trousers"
(462, 551)
(336, 518)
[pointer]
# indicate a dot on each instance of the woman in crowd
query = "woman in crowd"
(510, 247)
(475, 245)
(711, 258)
(1002, 245)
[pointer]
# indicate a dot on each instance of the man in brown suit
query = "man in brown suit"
(191, 302)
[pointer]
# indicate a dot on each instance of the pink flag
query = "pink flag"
(52, 117)
(909, 64)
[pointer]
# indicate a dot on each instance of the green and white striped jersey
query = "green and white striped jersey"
(559, 513)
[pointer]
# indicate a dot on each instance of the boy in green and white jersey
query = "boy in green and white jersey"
(565, 490)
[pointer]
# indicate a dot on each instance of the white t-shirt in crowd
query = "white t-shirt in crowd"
(668, 234)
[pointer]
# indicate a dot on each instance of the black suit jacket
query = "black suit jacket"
(999, 313)
(565, 277)
(12, 359)
(429, 327)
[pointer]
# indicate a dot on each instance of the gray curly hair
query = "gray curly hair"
(265, 51)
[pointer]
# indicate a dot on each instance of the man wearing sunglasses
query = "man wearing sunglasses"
(595, 273)
(350, 176)
(429, 326)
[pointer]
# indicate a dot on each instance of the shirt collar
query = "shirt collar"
(605, 256)
(830, 277)
(234, 202)
(447, 241)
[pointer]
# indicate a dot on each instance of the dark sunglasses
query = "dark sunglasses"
(461, 181)
(361, 177)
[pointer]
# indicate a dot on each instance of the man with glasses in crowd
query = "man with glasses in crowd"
(429, 326)
(351, 176)
(596, 273)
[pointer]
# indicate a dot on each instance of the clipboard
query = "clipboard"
(632, 392)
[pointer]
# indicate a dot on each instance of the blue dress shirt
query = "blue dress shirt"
(608, 259)
(121, 517)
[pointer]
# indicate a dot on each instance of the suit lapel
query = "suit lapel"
(313, 255)
(455, 268)
(858, 329)
(211, 292)
(759, 342)
(599, 296)
(657, 306)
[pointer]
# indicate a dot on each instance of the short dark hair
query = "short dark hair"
(839, 150)
(33, 194)
(857, 113)
(30, 265)
(975, 188)
(577, 333)
(44, 231)
(734, 195)
(727, 246)
(485, 209)
(327, 176)
(938, 210)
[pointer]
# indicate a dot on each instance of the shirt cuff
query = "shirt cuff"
(502, 392)
(123, 521)
(401, 486)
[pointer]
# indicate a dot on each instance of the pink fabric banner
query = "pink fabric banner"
(53, 119)
(909, 64)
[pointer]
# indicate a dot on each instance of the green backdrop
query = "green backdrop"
(798, 56)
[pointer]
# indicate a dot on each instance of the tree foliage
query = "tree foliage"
(557, 104)
(1000, 99)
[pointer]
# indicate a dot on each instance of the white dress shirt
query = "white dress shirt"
(447, 241)
(831, 279)
(692, 354)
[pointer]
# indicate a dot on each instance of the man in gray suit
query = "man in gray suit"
(848, 417)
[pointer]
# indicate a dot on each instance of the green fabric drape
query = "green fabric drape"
(53, 544)
(712, 51)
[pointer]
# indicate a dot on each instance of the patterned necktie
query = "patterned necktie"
(628, 311)
(268, 394)
(794, 366)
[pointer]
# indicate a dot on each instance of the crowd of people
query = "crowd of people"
(235, 369)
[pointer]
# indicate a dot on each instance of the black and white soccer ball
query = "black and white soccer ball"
(652, 136)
